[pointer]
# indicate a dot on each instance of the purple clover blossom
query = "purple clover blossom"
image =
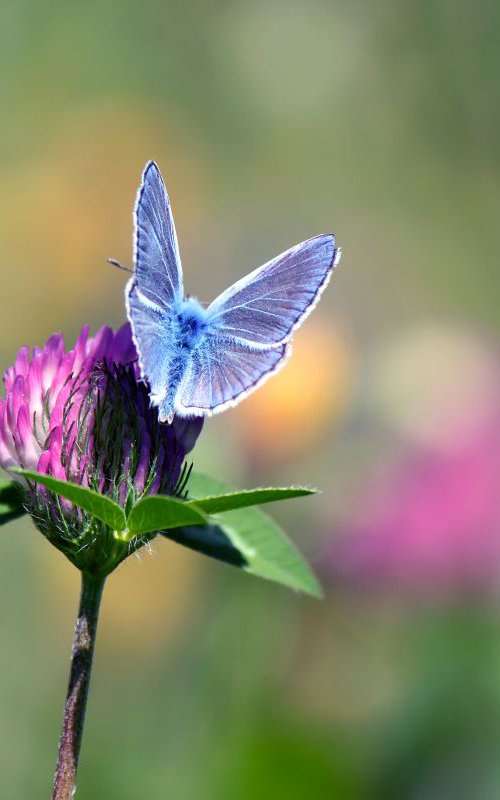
(84, 416)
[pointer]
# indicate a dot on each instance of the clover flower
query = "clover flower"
(83, 416)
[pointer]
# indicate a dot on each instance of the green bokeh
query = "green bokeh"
(272, 122)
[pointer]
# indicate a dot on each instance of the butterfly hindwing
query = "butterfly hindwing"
(250, 324)
(223, 371)
(152, 336)
(269, 303)
(158, 271)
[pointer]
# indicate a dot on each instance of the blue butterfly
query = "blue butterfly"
(201, 360)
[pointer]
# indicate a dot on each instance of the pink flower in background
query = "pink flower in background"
(432, 522)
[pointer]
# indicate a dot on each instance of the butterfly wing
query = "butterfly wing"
(158, 271)
(222, 371)
(155, 289)
(153, 335)
(249, 326)
(267, 305)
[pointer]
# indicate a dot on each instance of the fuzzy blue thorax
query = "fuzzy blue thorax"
(192, 322)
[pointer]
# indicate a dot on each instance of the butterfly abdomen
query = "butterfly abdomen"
(189, 324)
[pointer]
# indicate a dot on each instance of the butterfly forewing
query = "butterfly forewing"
(158, 271)
(155, 288)
(265, 306)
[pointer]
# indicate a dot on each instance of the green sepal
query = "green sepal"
(237, 534)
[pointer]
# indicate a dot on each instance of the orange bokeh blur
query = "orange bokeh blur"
(290, 413)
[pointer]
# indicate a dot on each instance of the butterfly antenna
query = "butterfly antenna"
(118, 264)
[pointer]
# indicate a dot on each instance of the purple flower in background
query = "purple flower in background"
(432, 523)
(84, 416)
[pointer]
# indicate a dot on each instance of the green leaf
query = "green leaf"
(161, 512)
(11, 501)
(247, 538)
(229, 501)
(98, 505)
(210, 540)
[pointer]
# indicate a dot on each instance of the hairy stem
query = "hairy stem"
(76, 699)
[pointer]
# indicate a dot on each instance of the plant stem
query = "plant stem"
(76, 699)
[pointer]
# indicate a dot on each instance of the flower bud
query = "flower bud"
(84, 416)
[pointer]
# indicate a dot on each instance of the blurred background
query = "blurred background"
(272, 122)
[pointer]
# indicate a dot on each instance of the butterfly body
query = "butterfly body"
(200, 360)
(180, 331)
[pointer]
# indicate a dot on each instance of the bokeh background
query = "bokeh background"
(274, 121)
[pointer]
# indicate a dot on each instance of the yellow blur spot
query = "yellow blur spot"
(437, 384)
(69, 208)
(291, 412)
(145, 602)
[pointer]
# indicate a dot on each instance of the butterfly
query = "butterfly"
(202, 360)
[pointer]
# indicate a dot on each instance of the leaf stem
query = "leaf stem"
(76, 699)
